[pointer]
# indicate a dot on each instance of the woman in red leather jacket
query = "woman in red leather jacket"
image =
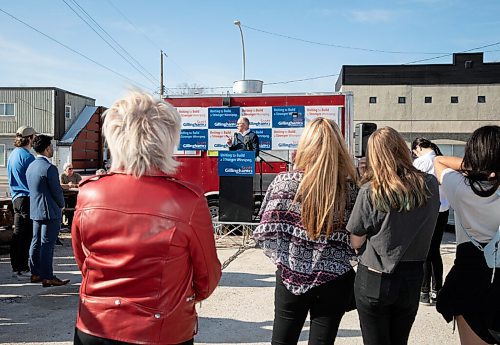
(142, 240)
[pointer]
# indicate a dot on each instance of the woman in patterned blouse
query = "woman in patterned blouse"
(302, 230)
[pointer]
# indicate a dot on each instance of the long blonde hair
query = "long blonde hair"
(323, 156)
(395, 183)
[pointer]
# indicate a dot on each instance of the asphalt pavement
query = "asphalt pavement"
(239, 312)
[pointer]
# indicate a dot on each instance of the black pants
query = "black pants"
(326, 304)
(433, 266)
(87, 339)
(70, 202)
(22, 234)
(387, 303)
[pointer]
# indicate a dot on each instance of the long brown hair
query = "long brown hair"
(395, 183)
(323, 156)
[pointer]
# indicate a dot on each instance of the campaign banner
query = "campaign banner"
(259, 117)
(217, 139)
(265, 138)
(286, 138)
(193, 117)
(193, 139)
(223, 118)
(326, 111)
(236, 163)
(288, 117)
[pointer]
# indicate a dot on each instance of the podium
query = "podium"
(236, 170)
(236, 202)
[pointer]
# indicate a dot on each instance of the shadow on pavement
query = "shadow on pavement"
(30, 313)
(238, 279)
(227, 331)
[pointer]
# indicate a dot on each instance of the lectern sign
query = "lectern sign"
(236, 163)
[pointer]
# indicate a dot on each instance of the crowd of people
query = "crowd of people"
(144, 271)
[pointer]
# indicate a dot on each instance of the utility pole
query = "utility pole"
(162, 87)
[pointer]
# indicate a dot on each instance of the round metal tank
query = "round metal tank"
(248, 86)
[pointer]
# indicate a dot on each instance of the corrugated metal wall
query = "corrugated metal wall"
(33, 107)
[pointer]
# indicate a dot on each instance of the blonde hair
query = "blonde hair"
(395, 183)
(323, 156)
(142, 133)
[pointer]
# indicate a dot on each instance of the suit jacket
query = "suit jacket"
(249, 142)
(46, 194)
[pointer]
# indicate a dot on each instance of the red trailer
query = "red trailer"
(200, 167)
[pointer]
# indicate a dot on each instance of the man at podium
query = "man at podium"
(244, 139)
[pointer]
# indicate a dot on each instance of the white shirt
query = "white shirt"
(425, 163)
(479, 215)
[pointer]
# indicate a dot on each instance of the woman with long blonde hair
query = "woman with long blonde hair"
(391, 226)
(302, 231)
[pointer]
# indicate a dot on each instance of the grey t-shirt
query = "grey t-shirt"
(394, 236)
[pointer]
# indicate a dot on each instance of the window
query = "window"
(454, 99)
(401, 100)
(428, 99)
(373, 100)
(2, 155)
(481, 99)
(457, 150)
(7, 109)
(67, 112)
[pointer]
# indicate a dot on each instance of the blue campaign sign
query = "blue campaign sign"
(236, 163)
(288, 117)
(223, 118)
(194, 139)
(265, 138)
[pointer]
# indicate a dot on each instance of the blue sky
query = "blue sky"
(204, 48)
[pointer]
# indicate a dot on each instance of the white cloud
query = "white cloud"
(372, 16)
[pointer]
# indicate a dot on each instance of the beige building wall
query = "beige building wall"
(416, 116)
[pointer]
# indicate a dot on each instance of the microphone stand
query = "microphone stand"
(262, 160)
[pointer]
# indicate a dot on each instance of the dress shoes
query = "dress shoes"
(54, 282)
(36, 278)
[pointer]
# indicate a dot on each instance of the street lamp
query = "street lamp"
(238, 24)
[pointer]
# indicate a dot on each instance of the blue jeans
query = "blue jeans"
(45, 234)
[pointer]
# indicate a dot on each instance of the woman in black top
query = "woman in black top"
(391, 226)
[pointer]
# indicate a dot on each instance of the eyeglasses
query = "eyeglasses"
(70, 168)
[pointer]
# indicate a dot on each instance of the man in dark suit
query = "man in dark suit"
(46, 203)
(244, 139)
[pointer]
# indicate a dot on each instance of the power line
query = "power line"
(73, 50)
(450, 54)
(337, 45)
(304, 79)
(149, 39)
(118, 44)
(109, 44)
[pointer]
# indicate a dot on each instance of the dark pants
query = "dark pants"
(387, 303)
(22, 234)
(87, 339)
(326, 304)
(433, 266)
(45, 234)
(70, 202)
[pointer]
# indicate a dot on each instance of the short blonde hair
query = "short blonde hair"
(142, 133)
(67, 165)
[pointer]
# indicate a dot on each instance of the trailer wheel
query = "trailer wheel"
(213, 206)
